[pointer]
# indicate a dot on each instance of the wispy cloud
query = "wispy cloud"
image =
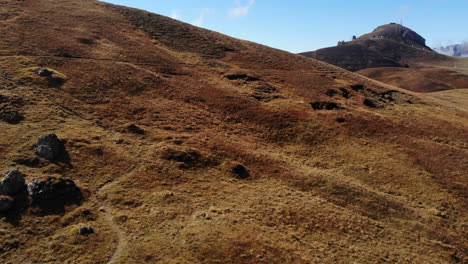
(241, 10)
(201, 18)
(175, 14)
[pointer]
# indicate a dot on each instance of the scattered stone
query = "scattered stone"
(12, 182)
(357, 87)
(340, 120)
(331, 92)
(11, 117)
(135, 129)
(240, 171)
(50, 147)
(345, 93)
(58, 189)
(86, 230)
(244, 77)
(325, 105)
(6, 202)
(370, 103)
(43, 72)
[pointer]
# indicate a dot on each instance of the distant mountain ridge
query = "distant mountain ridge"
(458, 50)
(390, 45)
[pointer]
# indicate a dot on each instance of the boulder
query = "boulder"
(12, 182)
(6, 202)
(86, 230)
(54, 189)
(240, 171)
(50, 147)
(43, 72)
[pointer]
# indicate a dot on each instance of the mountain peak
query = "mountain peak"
(397, 32)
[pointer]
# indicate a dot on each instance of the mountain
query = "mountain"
(458, 50)
(147, 140)
(390, 45)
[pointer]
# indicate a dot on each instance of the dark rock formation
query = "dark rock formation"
(51, 147)
(357, 87)
(244, 77)
(54, 190)
(6, 202)
(12, 182)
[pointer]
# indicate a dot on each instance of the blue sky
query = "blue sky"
(305, 25)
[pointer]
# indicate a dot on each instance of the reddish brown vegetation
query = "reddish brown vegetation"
(356, 184)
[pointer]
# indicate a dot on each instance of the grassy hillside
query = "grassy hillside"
(419, 79)
(158, 116)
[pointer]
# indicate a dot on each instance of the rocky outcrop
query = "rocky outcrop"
(54, 189)
(398, 33)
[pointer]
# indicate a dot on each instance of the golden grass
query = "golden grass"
(384, 185)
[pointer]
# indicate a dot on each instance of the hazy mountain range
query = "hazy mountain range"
(458, 50)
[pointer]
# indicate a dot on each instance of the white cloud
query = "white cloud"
(240, 10)
(175, 14)
(201, 18)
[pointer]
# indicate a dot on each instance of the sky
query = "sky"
(307, 25)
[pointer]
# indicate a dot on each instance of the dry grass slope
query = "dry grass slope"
(376, 183)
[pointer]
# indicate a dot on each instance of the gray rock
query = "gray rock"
(6, 202)
(43, 72)
(46, 152)
(12, 182)
(50, 147)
